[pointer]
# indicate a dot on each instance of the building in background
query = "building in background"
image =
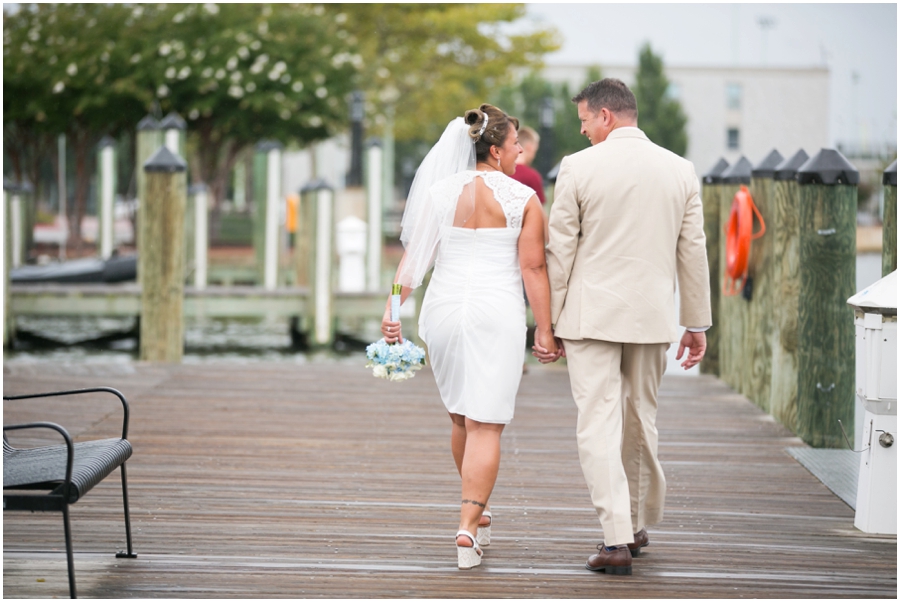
(736, 111)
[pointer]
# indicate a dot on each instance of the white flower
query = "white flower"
(243, 52)
(136, 58)
(379, 371)
(231, 65)
(162, 91)
(298, 86)
(194, 114)
(235, 91)
(285, 114)
(285, 79)
(59, 87)
(220, 74)
(250, 87)
(164, 49)
(184, 73)
(207, 72)
(321, 92)
(197, 55)
(170, 73)
(236, 76)
(211, 9)
(72, 69)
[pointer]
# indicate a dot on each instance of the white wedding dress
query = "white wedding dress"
(473, 314)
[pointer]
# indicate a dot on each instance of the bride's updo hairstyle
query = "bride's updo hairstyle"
(498, 124)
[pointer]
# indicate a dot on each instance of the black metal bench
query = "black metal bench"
(67, 471)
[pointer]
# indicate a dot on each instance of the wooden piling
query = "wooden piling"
(374, 204)
(162, 258)
(785, 231)
(197, 248)
(148, 140)
(889, 221)
(757, 343)
(826, 385)
(267, 199)
(712, 227)
(317, 228)
(9, 318)
(106, 196)
(16, 227)
(732, 309)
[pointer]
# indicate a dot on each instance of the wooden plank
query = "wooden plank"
(317, 480)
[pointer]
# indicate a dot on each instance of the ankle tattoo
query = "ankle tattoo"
(473, 502)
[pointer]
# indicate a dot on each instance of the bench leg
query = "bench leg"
(129, 553)
(69, 560)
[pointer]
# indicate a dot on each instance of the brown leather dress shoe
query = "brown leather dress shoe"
(641, 539)
(615, 561)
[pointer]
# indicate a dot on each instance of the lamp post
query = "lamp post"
(547, 118)
(357, 114)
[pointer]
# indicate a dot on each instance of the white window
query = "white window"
(733, 96)
(734, 138)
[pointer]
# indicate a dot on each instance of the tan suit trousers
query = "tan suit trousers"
(615, 387)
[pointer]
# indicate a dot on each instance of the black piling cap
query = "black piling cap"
(106, 141)
(714, 175)
(766, 167)
(787, 169)
(194, 189)
(9, 184)
(828, 166)
(148, 123)
(164, 160)
(314, 185)
(374, 142)
(739, 173)
(264, 146)
(890, 175)
(172, 121)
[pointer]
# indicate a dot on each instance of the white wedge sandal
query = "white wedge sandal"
(468, 557)
(483, 535)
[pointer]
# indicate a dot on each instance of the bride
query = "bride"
(484, 234)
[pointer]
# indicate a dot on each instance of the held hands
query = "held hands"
(695, 343)
(547, 348)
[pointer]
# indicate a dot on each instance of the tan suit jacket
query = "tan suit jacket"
(626, 217)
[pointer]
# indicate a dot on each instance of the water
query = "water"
(206, 340)
(240, 340)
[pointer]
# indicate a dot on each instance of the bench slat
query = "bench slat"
(46, 466)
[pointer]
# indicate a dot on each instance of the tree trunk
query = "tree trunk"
(83, 142)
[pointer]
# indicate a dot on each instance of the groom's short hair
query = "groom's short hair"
(611, 94)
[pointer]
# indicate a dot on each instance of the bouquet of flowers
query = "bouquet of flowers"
(395, 361)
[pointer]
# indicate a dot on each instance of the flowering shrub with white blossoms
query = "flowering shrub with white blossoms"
(395, 361)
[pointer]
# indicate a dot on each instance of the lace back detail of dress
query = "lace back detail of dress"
(511, 195)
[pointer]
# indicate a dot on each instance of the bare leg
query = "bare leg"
(458, 448)
(480, 465)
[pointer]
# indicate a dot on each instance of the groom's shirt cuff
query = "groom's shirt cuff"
(700, 329)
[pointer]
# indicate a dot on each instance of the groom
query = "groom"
(626, 218)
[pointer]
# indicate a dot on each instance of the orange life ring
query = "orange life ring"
(738, 236)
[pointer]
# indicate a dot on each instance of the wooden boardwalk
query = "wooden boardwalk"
(317, 480)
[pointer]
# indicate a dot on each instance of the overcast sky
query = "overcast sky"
(856, 41)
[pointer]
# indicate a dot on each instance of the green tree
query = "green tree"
(660, 116)
(434, 61)
(241, 73)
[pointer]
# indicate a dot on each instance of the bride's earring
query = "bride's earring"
(498, 163)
